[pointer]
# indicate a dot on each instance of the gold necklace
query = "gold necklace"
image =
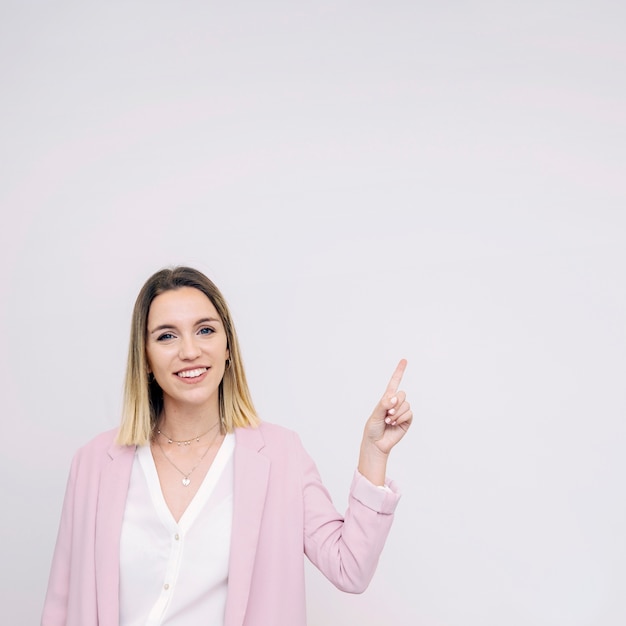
(186, 442)
(186, 480)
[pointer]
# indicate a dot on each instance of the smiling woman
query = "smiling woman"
(194, 511)
(160, 305)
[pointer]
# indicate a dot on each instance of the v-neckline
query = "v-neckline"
(200, 498)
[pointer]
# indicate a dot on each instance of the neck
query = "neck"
(185, 425)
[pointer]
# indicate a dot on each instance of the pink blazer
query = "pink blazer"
(281, 511)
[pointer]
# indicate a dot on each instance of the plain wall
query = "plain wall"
(365, 181)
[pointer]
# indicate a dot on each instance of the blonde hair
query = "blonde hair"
(143, 398)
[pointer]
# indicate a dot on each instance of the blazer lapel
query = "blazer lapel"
(250, 484)
(112, 493)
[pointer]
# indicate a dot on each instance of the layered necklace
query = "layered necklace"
(186, 442)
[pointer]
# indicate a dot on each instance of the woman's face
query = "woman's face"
(186, 347)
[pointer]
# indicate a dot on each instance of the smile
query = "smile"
(192, 373)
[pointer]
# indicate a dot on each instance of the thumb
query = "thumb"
(386, 404)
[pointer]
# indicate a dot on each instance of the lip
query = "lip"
(193, 379)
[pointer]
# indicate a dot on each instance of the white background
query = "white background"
(365, 181)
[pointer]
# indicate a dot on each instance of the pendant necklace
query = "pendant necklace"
(185, 476)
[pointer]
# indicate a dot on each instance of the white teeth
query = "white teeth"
(192, 373)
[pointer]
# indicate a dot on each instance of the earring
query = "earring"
(228, 363)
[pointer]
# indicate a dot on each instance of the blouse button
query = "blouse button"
(176, 536)
(166, 586)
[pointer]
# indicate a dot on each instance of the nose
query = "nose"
(189, 350)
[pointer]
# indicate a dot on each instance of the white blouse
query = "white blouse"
(176, 573)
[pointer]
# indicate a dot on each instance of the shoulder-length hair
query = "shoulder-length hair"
(143, 398)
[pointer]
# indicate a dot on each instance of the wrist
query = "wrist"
(373, 463)
(373, 451)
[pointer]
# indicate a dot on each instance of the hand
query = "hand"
(392, 416)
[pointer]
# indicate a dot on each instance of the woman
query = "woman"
(194, 511)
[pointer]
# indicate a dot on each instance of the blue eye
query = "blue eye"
(165, 337)
(206, 331)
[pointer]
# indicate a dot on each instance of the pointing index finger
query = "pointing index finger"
(394, 383)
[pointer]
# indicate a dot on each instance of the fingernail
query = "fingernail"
(387, 420)
(391, 411)
(394, 400)
(393, 423)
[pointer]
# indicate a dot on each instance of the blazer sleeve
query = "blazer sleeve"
(346, 549)
(56, 602)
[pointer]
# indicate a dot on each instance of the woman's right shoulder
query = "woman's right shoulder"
(100, 445)
(101, 440)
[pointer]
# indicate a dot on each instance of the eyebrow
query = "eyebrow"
(204, 320)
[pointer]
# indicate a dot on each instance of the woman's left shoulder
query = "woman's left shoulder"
(268, 434)
(275, 430)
